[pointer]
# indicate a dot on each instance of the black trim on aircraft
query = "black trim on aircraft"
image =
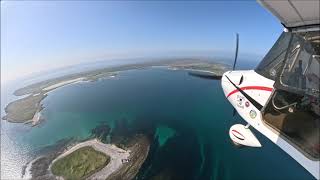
(253, 102)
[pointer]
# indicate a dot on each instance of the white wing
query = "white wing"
(293, 13)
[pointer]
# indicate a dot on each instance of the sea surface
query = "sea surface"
(188, 117)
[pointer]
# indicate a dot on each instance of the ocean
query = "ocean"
(188, 117)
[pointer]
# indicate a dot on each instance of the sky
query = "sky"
(42, 35)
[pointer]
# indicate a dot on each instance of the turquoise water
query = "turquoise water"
(187, 117)
(163, 133)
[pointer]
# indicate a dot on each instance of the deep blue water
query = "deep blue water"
(187, 117)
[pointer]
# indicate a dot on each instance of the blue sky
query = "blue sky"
(39, 35)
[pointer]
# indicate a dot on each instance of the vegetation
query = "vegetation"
(24, 109)
(80, 163)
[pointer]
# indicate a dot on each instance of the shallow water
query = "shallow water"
(189, 118)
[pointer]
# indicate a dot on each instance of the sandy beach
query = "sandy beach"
(116, 155)
(36, 119)
(63, 83)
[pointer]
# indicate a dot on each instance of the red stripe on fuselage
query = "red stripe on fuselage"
(251, 88)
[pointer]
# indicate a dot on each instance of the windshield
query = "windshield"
(269, 67)
(301, 71)
(295, 61)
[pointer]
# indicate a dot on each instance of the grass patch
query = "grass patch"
(80, 163)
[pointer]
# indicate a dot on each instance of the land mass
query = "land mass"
(80, 164)
(28, 108)
(25, 110)
(93, 159)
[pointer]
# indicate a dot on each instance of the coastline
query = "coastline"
(35, 120)
(26, 171)
(63, 83)
(26, 109)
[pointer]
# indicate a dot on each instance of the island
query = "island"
(93, 159)
(28, 109)
(80, 162)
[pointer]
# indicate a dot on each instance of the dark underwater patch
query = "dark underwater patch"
(178, 158)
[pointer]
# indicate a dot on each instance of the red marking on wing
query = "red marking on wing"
(263, 88)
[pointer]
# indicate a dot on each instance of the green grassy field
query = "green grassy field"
(80, 163)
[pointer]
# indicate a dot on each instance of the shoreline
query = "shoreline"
(25, 110)
(63, 83)
(35, 120)
(26, 171)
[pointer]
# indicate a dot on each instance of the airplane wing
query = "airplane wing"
(293, 13)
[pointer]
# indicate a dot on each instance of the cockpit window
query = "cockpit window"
(294, 60)
(269, 67)
(301, 71)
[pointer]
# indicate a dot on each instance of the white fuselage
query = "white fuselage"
(248, 98)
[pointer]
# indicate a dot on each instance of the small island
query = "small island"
(92, 159)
